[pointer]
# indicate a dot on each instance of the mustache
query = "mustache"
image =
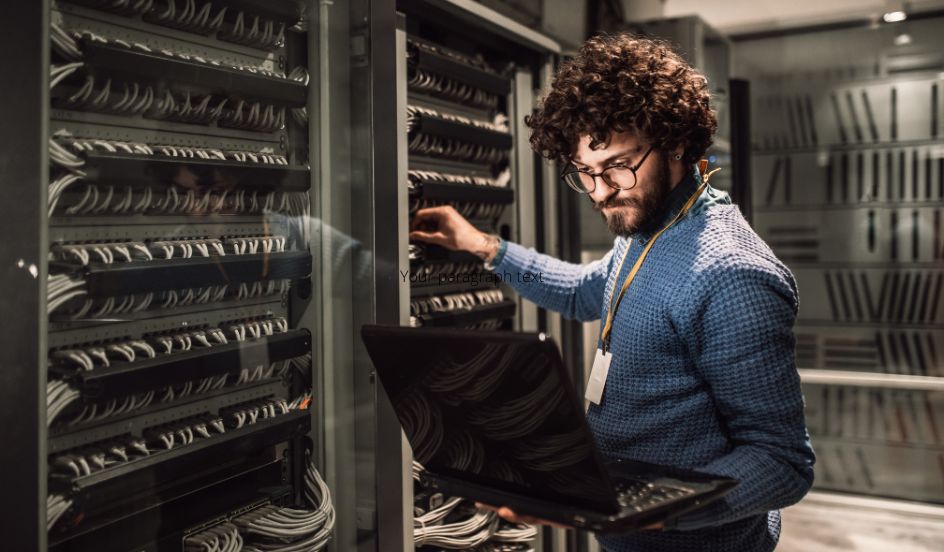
(614, 202)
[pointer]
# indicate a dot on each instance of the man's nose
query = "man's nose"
(602, 192)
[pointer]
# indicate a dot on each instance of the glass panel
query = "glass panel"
(848, 190)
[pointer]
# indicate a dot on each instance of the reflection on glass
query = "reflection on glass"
(491, 411)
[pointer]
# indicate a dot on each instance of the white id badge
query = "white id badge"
(601, 366)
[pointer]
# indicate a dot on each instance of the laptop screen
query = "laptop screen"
(491, 408)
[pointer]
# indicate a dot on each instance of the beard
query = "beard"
(650, 210)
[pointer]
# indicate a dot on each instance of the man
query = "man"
(697, 310)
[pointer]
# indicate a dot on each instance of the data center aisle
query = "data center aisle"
(822, 523)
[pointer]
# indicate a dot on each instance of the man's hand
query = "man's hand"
(509, 515)
(446, 227)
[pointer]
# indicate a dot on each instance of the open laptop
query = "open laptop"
(493, 417)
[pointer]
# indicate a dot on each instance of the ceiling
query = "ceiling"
(741, 16)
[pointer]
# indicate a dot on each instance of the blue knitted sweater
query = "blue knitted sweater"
(702, 374)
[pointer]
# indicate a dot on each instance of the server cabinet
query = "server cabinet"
(174, 253)
(450, 84)
(849, 192)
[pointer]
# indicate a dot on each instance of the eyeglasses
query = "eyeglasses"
(619, 176)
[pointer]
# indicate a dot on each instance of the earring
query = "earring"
(678, 156)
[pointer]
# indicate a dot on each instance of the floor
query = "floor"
(822, 523)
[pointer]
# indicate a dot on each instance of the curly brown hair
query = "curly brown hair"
(622, 83)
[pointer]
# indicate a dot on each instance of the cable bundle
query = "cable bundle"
(473, 380)
(131, 200)
(254, 116)
(56, 505)
(521, 417)
(422, 423)
(414, 112)
(468, 531)
(136, 98)
(224, 537)
(99, 456)
(554, 452)
(60, 395)
(67, 289)
(473, 61)
(417, 177)
(515, 533)
(258, 33)
(468, 209)
(203, 18)
(89, 459)
(131, 251)
(300, 114)
(188, 17)
(449, 523)
(281, 529)
(451, 89)
(168, 436)
(465, 453)
(432, 269)
(450, 148)
(456, 302)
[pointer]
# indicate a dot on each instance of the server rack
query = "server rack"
(849, 193)
(172, 315)
(453, 80)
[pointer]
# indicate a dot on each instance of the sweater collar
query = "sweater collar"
(675, 201)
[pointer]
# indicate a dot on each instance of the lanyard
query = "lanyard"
(611, 311)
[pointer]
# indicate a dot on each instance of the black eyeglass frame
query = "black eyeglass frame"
(571, 169)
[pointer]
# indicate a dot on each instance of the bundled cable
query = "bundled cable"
(457, 150)
(66, 153)
(422, 422)
(514, 419)
(300, 114)
(224, 537)
(59, 395)
(462, 534)
(282, 529)
(498, 124)
(56, 505)
(418, 176)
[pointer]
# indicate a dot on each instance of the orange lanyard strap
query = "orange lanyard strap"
(611, 311)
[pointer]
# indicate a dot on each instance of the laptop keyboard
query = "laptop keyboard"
(643, 495)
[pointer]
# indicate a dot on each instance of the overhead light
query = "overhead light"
(903, 39)
(895, 16)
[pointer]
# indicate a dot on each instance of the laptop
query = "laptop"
(494, 417)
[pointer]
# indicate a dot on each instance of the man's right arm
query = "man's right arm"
(576, 291)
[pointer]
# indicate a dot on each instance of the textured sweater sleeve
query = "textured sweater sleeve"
(741, 337)
(575, 291)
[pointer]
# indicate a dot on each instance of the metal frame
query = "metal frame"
(525, 179)
(871, 379)
(23, 273)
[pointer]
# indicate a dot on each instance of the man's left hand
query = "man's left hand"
(509, 515)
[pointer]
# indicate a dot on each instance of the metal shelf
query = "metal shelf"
(127, 378)
(871, 379)
(223, 80)
(441, 64)
(444, 128)
(437, 254)
(435, 288)
(448, 191)
(168, 274)
(127, 168)
(65, 437)
(162, 467)
(457, 319)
